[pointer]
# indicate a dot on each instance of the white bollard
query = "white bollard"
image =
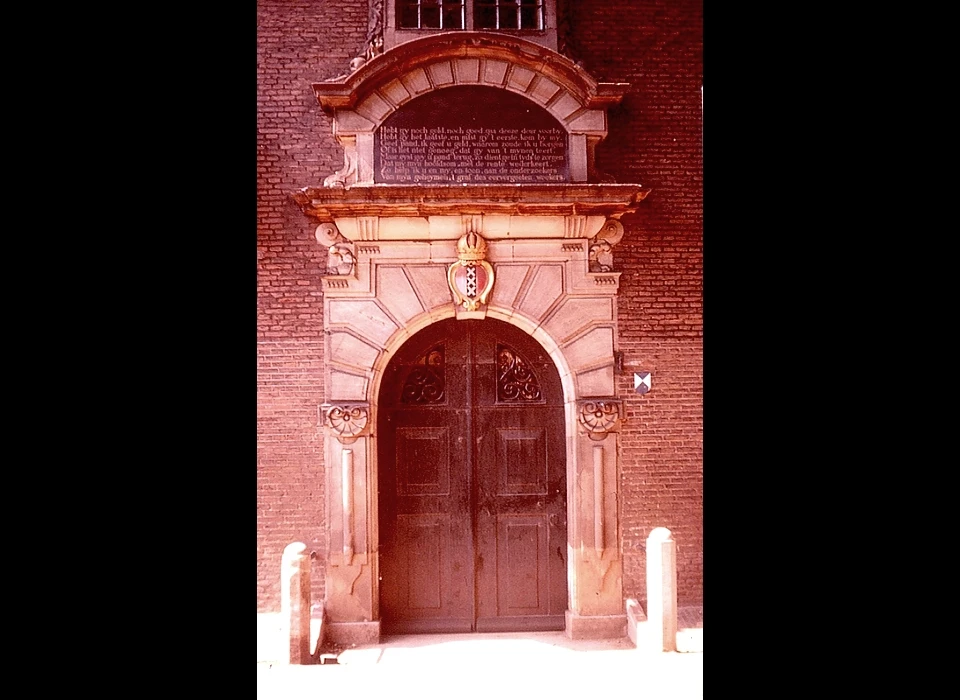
(295, 602)
(662, 590)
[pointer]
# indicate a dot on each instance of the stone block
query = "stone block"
(565, 105)
(396, 92)
(431, 283)
(592, 120)
(397, 294)
(543, 90)
(578, 158)
(353, 632)
(364, 316)
(349, 121)
(494, 72)
(415, 81)
(545, 288)
(350, 350)
(404, 228)
(346, 386)
(590, 349)
(445, 227)
(441, 73)
(520, 79)
(537, 226)
(467, 70)
(509, 278)
(594, 626)
(636, 622)
(374, 108)
(496, 226)
(596, 382)
(576, 314)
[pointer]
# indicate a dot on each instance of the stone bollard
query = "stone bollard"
(295, 602)
(662, 590)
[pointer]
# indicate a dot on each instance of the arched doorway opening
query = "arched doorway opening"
(472, 483)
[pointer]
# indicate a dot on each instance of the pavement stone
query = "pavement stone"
(511, 665)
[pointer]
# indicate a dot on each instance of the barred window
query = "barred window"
(509, 14)
(457, 14)
(431, 14)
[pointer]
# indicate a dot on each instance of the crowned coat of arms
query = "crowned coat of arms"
(471, 276)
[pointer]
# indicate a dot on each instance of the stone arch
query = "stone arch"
(573, 456)
(360, 102)
(547, 296)
(386, 277)
(551, 297)
(526, 324)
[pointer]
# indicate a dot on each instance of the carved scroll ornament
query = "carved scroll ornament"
(425, 379)
(600, 416)
(515, 380)
(345, 421)
(341, 252)
(601, 246)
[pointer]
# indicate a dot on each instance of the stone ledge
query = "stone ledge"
(573, 199)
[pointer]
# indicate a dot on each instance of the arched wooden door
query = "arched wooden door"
(472, 483)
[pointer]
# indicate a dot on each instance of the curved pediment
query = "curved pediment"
(361, 102)
(468, 58)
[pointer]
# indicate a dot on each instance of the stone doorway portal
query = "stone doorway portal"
(472, 483)
(397, 264)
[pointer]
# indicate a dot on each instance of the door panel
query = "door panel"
(521, 488)
(472, 483)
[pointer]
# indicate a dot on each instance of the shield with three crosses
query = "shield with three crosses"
(471, 276)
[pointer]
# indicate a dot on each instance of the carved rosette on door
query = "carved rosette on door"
(471, 276)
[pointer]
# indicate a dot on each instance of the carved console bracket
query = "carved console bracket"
(600, 416)
(341, 252)
(347, 175)
(345, 421)
(601, 246)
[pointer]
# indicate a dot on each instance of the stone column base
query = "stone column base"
(352, 632)
(595, 626)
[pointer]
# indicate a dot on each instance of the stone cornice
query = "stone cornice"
(602, 199)
(346, 91)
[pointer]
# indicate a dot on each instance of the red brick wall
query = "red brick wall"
(655, 139)
(298, 43)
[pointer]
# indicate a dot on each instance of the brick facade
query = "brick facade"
(298, 43)
(655, 139)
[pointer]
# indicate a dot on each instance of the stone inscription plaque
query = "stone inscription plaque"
(470, 134)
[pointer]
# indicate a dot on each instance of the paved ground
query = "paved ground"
(512, 665)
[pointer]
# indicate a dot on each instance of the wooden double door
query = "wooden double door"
(472, 483)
